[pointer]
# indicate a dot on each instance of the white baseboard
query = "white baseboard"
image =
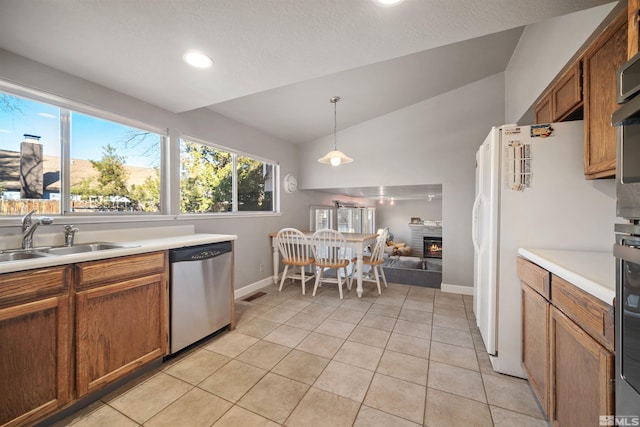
(456, 289)
(254, 287)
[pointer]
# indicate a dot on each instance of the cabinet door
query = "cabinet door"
(601, 61)
(633, 18)
(120, 327)
(535, 343)
(567, 93)
(581, 375)
(34, 360)
(543, 110)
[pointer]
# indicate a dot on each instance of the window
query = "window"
(206, 179)
(59, 160)
(255, 185)
(207, 176)
(29, 156)
(113, 167)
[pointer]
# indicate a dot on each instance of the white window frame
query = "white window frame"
(234, 203)
(169, 166)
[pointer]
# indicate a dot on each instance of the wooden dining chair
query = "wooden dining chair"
(295, 250)
(374, 261)
(330, 252)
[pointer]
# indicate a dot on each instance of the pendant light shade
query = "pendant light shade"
(335, 157)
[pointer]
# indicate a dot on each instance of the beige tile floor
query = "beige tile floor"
(410, 357)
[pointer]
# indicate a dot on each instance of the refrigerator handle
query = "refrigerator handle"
(474, 222)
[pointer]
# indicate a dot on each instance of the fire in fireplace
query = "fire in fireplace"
(432, 247)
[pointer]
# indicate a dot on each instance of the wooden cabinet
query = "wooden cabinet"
(535, 343)
(71, 330)
(601, 61)
(566, 95)
(594, 316)
(633, 30)
(567, 348)
(536, 286)
(581, 375)
(564, 98)
(121, 317)
(35, 344)
(544, 112)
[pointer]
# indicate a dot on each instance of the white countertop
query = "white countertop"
(593, 272)
(136, 247)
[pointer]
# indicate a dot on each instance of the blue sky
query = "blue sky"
(88, 135)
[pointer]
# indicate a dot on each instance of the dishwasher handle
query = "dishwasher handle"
(199, 253)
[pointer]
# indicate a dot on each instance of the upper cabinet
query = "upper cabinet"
(544, 110)
(600, 63)
(587, 90)
(564, 99)
(566, 95)
(633, 32)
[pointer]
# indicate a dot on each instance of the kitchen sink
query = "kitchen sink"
(48, 251)
(19, 255)
(85, 247)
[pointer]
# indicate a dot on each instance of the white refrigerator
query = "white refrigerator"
(530, 192)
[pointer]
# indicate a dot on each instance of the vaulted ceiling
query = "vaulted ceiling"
(276, 62)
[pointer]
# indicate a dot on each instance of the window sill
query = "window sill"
(225, 215)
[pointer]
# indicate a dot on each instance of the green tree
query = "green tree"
(112, 175)
(86, 187)
(252, 180)
(146, 197)
(205, 179)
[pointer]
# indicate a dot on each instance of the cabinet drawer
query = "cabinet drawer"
(588, 312)
(95, 273)
(25, 286)
(535, 276)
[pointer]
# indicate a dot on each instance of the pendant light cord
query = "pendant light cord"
(334, 101)
(335, 127)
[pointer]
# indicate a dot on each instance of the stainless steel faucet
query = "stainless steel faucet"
(69, 234)
(29, 227)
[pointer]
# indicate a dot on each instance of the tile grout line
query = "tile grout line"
(372, 304)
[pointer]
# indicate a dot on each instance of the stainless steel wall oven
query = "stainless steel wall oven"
(627, 252)
(627, 247)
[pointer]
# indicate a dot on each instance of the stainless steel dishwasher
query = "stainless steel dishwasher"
(200, 292)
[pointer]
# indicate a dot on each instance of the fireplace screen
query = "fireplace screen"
(432, 247)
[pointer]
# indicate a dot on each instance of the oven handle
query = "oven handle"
(627, 253)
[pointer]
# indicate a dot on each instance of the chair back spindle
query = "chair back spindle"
(295, 250)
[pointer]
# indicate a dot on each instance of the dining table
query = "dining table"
(356, 241)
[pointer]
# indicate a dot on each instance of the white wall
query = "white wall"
(398, 215)
(543, 50)
(253, 245)
(432, 142)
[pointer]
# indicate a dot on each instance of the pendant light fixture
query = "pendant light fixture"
(335, 157)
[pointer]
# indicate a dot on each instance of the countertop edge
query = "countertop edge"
(601, 291)
(135, 247)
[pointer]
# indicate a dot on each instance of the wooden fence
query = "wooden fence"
(52, 207)
(23, 206)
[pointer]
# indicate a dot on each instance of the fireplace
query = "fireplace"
(432, 247)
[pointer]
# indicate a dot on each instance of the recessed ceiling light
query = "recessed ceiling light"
(197, 59)
(388, 3)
